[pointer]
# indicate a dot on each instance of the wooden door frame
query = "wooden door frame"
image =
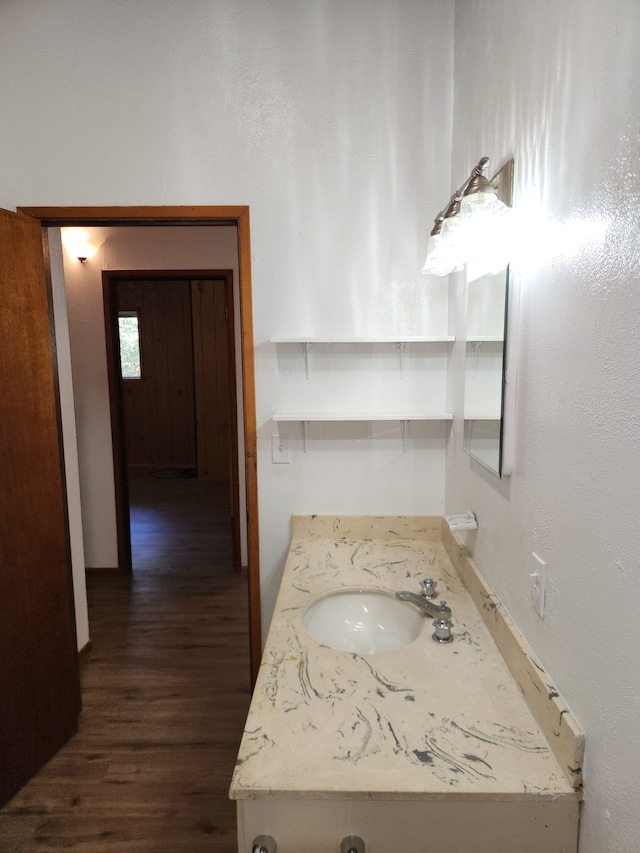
(60, 217)
(110, 279)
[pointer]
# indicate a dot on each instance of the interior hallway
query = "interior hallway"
(165, 688)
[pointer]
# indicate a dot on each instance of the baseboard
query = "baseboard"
(86, 648)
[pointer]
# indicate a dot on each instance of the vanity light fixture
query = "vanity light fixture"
(470, 228)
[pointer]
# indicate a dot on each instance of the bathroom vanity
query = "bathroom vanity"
(459, 746)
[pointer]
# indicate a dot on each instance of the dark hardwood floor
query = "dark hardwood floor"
(165, 688)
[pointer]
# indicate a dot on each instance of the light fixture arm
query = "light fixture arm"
(475, 179)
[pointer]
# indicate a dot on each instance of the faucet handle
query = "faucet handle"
(428, 587)
(442, 624)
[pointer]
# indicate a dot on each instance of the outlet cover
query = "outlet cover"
(280, 450)
(538, 585)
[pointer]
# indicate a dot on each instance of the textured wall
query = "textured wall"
(330, 119)
(556, 84)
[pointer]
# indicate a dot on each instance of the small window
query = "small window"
(129, 334)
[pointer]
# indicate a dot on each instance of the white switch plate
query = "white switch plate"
(538, 584)
(279, 450)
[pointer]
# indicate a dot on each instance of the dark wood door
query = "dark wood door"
(214, 392)
(206, 354)
(39, 678)
(159, 415)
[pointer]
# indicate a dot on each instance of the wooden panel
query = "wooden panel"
(38, 657)
(237, 464)
(551, 713)
(250, 438)
(159, 408)
(212, 378)
(140, 215)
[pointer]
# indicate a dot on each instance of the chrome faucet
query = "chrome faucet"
(429, 608)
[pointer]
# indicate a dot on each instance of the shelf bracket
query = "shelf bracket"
(307, 349)
(404, 427)
(305, 434)
(402, 351)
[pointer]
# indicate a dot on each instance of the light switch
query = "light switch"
(279, 450)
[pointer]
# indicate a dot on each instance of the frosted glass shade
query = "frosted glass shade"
(490, 238)
(479, 235)
(445, 251)
(484, 202)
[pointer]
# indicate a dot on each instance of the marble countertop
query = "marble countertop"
(425, 722)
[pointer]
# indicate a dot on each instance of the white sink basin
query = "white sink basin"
(365, 621)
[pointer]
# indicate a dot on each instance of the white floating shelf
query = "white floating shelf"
(343, 417)
(482, 416)
(400, 342)
(364, 416)
(481, 339)
(398, 339)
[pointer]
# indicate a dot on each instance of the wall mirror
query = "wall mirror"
(489, 397)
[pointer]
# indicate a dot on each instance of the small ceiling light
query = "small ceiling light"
(78, 244)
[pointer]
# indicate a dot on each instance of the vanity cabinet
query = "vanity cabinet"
(427, 747)
(394, 826)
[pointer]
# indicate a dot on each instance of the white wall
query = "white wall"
(556, 84)
(330, 119)
(132, 248)
(69, 437)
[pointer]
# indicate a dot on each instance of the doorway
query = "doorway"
(172, 388)
(214, 215)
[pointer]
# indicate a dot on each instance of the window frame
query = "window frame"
(127, 313)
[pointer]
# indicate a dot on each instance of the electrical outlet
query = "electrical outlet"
(280, 450)
(538, 585)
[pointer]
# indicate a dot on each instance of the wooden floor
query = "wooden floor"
(166, 689)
